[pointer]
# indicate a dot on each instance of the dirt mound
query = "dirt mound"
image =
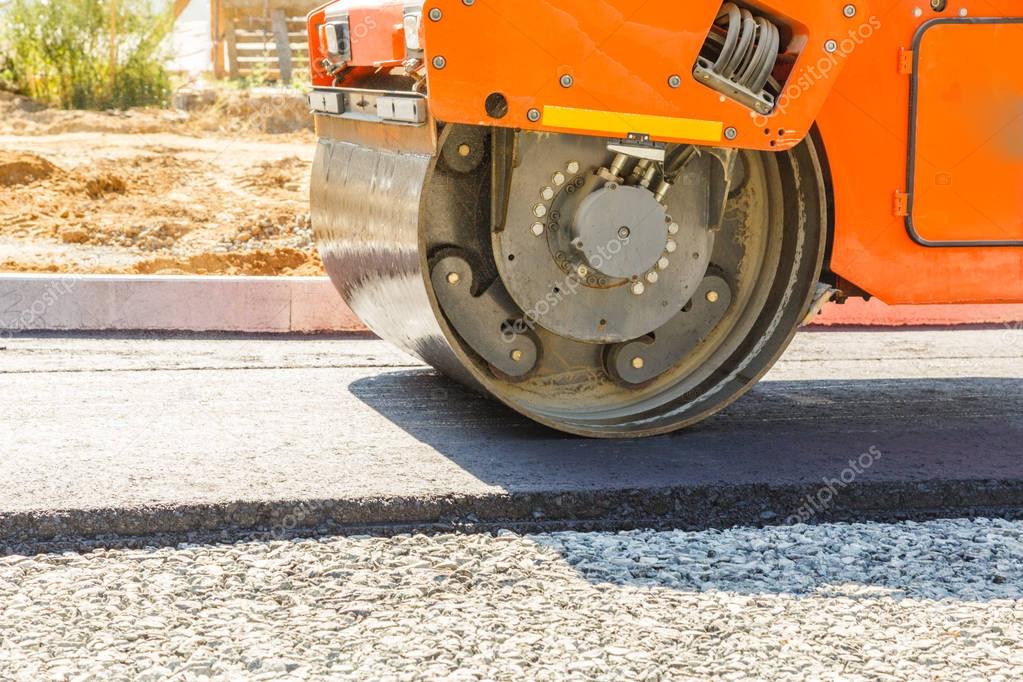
(276, 262)
(23, 168)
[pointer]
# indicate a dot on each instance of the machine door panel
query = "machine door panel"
(966, 147)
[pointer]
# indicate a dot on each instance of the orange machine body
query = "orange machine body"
(918, 107)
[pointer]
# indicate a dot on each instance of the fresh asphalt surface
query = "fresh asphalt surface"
(170, 435)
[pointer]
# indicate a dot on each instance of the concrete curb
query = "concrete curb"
(45, 302)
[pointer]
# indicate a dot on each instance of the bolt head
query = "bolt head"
(454, 278)
(439, 62)
(517, 355)
(583, 271)
(713, 297)
(539, 210)
(675, 81)
(435, 14)
(533, 115)
(671, 246)
(624, 232)
(638, 288)
(638, 363)
(567, 81)
(652, 277)
(731, 133)
(537, 229)
(573, 167)
(558, 179)
(464, 150)
(849, 11)
(673, 228)
(663, 263)
(547, 193)
(831, 46)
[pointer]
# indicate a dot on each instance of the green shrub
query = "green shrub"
(59, 52)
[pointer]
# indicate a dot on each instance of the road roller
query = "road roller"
(614, 215)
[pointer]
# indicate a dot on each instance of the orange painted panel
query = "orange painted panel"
(620, 56)
(968, 143)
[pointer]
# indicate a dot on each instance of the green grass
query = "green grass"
(58, 52)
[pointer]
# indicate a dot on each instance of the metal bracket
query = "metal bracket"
(643, 360)
(482, 321)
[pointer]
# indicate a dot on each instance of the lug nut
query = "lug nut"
(539, 210)
(537, 229)
(454, 278)
(712, 297)
(638, 288)
(637, 363)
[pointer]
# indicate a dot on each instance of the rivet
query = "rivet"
(454, 278)
(674, 81)
(637, 363)
(663, 263)
(439, 62)
(831, 46)
(582, 271)
(624, 232)
(464, 150)
(731, 133)
(435, 14)
(533, 115)
(849, 11)
(516, 355)
(567, 81)
(652, 277)
(712, 297)
(673, 228)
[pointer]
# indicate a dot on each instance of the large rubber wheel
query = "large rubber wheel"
(396, 229)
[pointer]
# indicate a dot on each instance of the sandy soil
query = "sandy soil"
(153, 192)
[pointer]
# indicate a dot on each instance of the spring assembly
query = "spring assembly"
(750, 48)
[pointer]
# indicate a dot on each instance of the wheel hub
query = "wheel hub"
(621, 232)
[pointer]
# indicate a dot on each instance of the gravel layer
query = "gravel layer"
(939, 600)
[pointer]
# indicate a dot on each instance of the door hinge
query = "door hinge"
(901, 204)
(905, 61)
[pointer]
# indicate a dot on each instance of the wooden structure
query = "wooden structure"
(259, 37)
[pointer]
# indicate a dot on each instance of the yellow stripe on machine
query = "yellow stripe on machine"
(623, 124)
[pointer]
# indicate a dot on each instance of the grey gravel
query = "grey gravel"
(938, 600)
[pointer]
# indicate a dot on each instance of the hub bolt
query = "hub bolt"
(559, 178)
(673, 228)
(547, 193)
(652, 277)
(573, 167)
(583, 271)
(638, 288)
(624, 232)
(516, 355)
(671, 246)
(539, 210)
(637, 363)
(454, 278)
(537, 229)
(663, 263)
(464, 150)
(712, 297)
